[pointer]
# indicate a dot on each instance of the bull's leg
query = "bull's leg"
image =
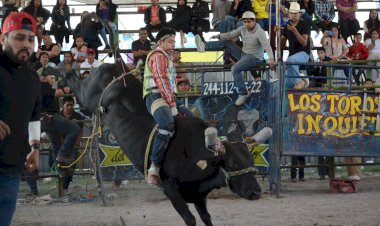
(201, 207)
(180, 205)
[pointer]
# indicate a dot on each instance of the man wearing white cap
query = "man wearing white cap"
(297, 32)
(250, 55)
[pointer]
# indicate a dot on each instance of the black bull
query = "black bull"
(183, 181)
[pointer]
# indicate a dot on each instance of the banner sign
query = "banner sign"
(331, 124)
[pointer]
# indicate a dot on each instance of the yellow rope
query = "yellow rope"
(147, 151)
(85, 150)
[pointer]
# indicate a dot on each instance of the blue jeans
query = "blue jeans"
(103, 33)
(293, 70)
(9, 186)
(229, 46)
(245, 63)
(164, 118)
(239, 23)
(57, 127)
(227, 24)
(182, 108)
(264, 23)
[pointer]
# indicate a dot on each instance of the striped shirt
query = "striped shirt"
(324, 8)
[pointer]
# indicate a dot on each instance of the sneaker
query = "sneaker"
(200, 44)
(153, 175)
(107, 47)
(242, 98)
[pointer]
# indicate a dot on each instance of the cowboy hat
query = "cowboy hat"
(295, 8)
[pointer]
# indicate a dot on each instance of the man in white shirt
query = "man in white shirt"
(90, 62)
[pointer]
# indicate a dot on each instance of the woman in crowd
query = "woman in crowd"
(60, 16)
(79, 50)
(40, 14)
(335, 47)
(106, 11)
(371, 24)
(373, 46)
(181, 19)
(308, 6)
(238, 7)
(200, 18)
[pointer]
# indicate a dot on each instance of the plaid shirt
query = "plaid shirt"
(324, 8)
(161, 66)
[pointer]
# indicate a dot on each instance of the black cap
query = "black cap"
(164, 33)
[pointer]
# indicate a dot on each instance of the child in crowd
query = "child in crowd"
(320, 70)
(358, 51)
(79, 50)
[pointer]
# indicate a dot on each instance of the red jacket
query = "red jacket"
(358, 49)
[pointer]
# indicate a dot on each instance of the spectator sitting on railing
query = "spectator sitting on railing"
(79, 50)
(52, 49)
(238, 7)
(262, 15)
(61, 15)
(324, 14)
(106, 11)
(358, 51)
(320, 70)
(68, 112)
(141, 47)
(373, 46)
(154, 18)
(90, 62)
(200, 18)
(252, 53)
(348, 23)
(373, 23)
(221, 20)
(181, 20)
(40, 14)
(228, 57)
(297, 32)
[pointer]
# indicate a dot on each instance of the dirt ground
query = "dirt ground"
(302, 203)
